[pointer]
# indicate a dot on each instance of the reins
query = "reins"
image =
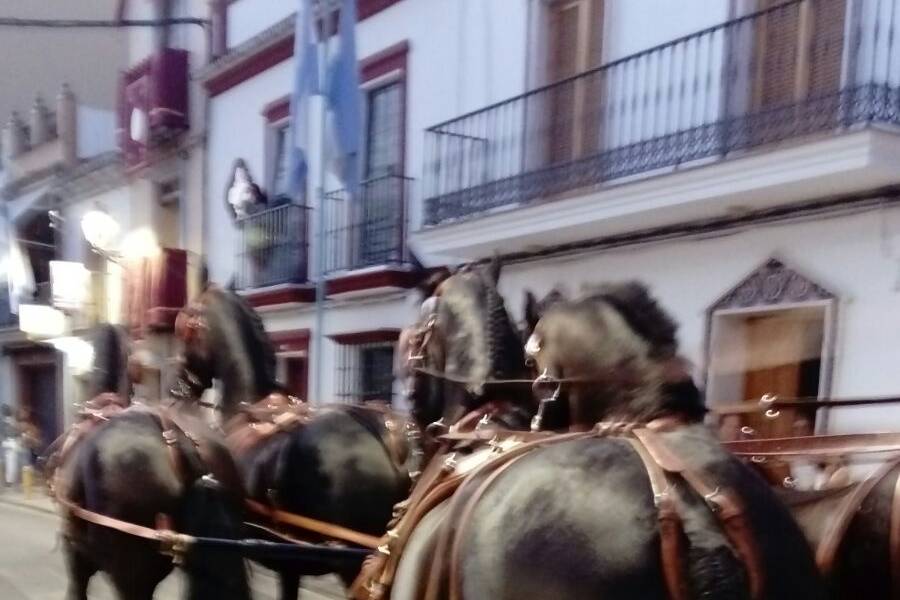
(177, 545)
(772, 403)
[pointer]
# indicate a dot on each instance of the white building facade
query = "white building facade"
(136, 161)
(740, 157)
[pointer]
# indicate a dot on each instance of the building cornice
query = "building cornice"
(94, 175)
(265, 50)
(262, 51)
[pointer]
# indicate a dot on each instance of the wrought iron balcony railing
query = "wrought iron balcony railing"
(370, 230)
(799, 68)
(273, 247)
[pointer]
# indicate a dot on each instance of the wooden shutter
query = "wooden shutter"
(575, 34)
(826, 48)
(778, 36)
(800, 51)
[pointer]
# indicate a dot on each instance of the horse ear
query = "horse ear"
(494, 268)
(531, 312)
(429, 285)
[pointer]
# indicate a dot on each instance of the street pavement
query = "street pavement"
(31, 564)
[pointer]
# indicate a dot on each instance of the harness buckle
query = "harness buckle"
(711, 501)
(483, 422)
(660, 497)
(450, 463)
(174, 545)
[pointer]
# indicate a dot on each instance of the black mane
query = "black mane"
(239, 342)
(642, 313)
(110, 358)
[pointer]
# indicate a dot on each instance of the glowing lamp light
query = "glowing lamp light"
(99, 229)
(40, 320)
(70, 282)
(140, 243)
(79, 353)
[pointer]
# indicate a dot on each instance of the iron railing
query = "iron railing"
(369, 230)
(799, 68)
(273, 247)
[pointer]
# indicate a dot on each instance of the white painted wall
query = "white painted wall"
(96, 131)
(856, 257)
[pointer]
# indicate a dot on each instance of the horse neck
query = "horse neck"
(236, 388)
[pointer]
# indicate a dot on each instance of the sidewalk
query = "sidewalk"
(38, 500)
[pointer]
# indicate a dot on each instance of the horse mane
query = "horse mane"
(643, 314)
(480, 318)
(239, 342)
(110, 360)
(507, 354)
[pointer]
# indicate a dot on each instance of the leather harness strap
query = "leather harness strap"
(173, 543)
(323, 528)
(725, 505)
(826, 553)
(817, 445)
(670, 532)
(463, 526)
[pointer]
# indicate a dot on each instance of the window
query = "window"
(366, 372)
(278, 186)
(384, 130)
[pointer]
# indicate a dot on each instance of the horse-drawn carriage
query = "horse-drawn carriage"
(576, 465)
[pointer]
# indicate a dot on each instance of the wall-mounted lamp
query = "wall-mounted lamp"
(100, 230)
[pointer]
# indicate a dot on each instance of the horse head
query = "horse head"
(612, 354)
(108, 373)
(223, 339)
(463, 342)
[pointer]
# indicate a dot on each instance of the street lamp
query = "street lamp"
(100, 230)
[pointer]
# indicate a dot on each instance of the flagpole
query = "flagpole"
(320, 193)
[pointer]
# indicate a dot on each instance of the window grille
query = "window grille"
(366, 372)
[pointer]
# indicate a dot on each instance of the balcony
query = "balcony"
(272, 255)
(365, 238)
(777, 106)
(153, 104)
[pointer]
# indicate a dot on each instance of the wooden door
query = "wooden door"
(574, 46)
(779, 364)
(38, 394)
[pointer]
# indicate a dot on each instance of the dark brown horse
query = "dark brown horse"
(853, 534)
(123, 468)
(577, 519)
(337, 467)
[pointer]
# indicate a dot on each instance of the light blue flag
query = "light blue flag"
(344, 101)
(306, 85)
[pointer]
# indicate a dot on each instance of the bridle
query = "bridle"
(416, 362)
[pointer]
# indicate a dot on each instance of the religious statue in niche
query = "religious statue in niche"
(243, 196)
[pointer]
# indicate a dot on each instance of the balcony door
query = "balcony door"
(799, 57)
(381, 198)
(575, 30)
